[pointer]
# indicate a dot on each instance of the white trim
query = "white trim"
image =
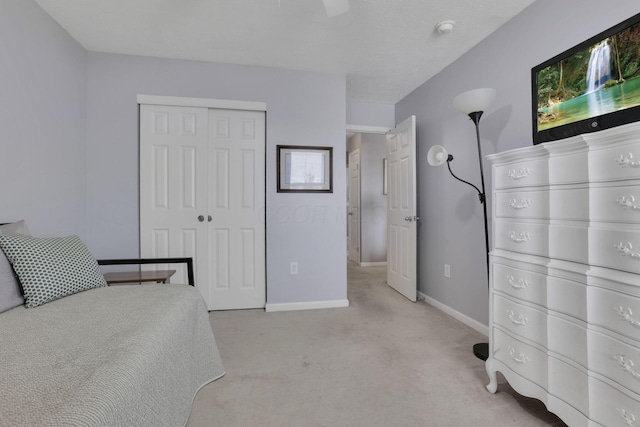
(224, 104)
(472, 323)
(310, 305)
(367, 129)
(373, 264)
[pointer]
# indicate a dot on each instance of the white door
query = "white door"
(173, 160)
(402, 217)
(237, 206)
(202, 195)
(354, 206)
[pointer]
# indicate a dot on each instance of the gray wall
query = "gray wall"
(451, 230)
(42, 117)
(370, 114)
(303, 108)
(373, 202)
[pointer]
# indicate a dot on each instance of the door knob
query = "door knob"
(200, 218)
(408, 219)
(209, 218)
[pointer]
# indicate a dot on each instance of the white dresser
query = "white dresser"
(565, 276)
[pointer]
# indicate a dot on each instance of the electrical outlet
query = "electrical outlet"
(293, 267)
(447, 270)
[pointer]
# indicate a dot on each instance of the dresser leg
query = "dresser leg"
(493, 377)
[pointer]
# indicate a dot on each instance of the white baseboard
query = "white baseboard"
(472, 323)
(373, 264)
(309, 305)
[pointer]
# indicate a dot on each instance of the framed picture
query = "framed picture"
(304, 169)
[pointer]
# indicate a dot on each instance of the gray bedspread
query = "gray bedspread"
(114, 356)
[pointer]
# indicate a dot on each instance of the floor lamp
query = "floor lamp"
(472, 103)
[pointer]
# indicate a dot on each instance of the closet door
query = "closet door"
(237, 204)
(202, 195)
(173, 191)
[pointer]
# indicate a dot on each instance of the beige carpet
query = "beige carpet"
(384, 361)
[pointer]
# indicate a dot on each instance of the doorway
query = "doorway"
(386, 201)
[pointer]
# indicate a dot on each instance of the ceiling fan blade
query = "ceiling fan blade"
(335, 7)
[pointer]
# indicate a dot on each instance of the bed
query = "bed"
(129, 355)
(118, 356)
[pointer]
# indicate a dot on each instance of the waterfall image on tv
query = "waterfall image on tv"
(588, 81)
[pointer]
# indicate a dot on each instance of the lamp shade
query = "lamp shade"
(474, 100)
(336, 7)
(437, 155)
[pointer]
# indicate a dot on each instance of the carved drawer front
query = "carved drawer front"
(615, 311)
(610, 407)
(521, 358)
(615, 204)
(570, 384)
(521, 174)
(568, 339)
(567, 297)
(522, 204)
(619, 249)
(569, 242)
(522, 284)
(524, 321)
(614, 359)
(527, 238)
(616, 163)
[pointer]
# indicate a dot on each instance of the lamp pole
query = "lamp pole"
(475, 117)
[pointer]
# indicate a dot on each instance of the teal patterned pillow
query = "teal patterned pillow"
(52, 268)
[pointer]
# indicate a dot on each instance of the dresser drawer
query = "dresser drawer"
(615, 311)
(522, 284)
(529, 238)
(567, 339)
(570, 384)
(529, 173)
(610, 407)
(567, 297)
(524, 321)
(615, 248)
(569, 241)
(521, 358)
(615, 204)
(614, 359)
(620, 162)
(522, 204)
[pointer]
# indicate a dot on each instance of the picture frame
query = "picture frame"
(304, 169)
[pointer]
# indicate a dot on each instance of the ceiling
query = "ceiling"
(386, 48)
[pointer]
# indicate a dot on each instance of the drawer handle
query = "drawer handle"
(625, 314)
(519, 358)
(519, 320)
(628, 203)
(628, 418)
(626, 249)
(521, 237)
(522, 173)
(627, 161)
(627, 365)
(520, 284)
(521, 204)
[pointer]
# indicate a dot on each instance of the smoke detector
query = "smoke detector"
(445, 27)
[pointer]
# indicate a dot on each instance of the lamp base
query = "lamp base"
(481, 350)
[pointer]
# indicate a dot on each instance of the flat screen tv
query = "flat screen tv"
(590, 87)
